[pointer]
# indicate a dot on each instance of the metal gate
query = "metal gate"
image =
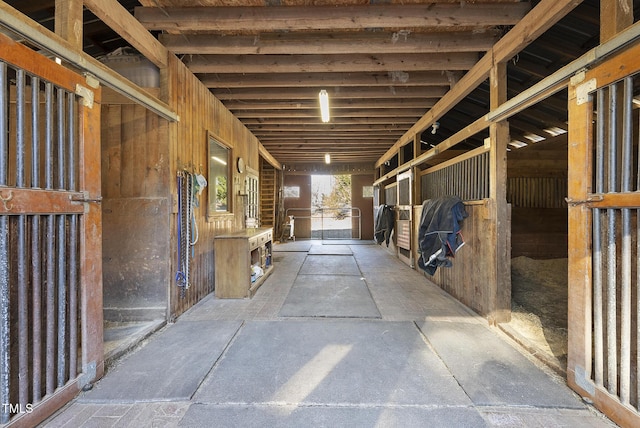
(604, 231)
(50, 235)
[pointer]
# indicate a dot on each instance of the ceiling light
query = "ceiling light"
(534, 137)
(324, 105)
(327, 158)
(435, 127)
(555, 131)
(518, 144)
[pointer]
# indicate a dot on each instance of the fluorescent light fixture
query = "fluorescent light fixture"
(534, 137)
(327, 158)
(518, 144)
(324, 105)
(555, 131)
(217, 159)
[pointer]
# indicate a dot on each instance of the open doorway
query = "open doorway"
(536, 192)
(332, 214)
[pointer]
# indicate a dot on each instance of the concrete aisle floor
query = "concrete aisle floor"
(337, 336)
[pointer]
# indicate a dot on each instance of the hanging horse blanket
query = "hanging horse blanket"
(384, 221)
(439, 235)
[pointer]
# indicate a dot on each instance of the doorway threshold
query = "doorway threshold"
(121, 337)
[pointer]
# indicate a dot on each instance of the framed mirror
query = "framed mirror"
(219, 177)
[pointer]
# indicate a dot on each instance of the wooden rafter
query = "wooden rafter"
(355, 79)
(330, 43)
(311, 93)
(117, 17)
(296, 18)
(341, 104)
(541, 18)
(330, 64)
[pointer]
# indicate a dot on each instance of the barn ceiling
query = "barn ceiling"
(383, 63)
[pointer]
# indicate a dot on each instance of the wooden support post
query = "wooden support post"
(579, 272)
(68, 21)
(500, 289)
(91, 243)
(417, 182)
(615, 16)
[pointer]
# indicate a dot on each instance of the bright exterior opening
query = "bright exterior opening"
(331, 212)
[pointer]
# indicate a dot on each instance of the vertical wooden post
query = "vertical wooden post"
(68, 21)
(91, 242)
(615, 16)
(579, 272)
(500, 288)
(417, 183)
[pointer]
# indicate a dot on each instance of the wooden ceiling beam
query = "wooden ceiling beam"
(264, 129)
(311, 93)
(324, 136)
(330, 63)
(355, 79)
(330, 43)
(313, 120)
(295, 18)
(338, 147)
(544, 15)
(121, 21)
(411, 103)
(406, 113)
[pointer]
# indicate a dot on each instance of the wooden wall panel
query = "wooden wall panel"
(359, 181)
(302, 226)
(467, 279)
(536, 189)
(141, 156)
(136, 207)
(199, 112)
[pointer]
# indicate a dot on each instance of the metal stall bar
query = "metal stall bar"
(50, 276)
(625, 286)
(637, 302)
(598, 308)
(637, 287)
(612, 357)
(61, 242)
(4, 252)
(36, 266)
(73, 238)
(22, 285)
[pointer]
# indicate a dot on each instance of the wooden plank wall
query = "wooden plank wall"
(466, 280)
(200, 112)
(136, 208)
(142, 154)
(536, 190)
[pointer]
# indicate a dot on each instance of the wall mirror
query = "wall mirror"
(219, 177)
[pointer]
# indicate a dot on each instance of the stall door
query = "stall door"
(50, 235)
(604, 226)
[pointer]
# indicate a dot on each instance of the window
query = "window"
(292, 191)
(251, 189)
(219, 163)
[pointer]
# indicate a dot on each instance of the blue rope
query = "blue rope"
(181, 279)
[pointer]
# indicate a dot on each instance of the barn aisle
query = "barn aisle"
(403, 353)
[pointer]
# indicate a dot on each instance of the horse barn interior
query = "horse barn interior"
(167, 129)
